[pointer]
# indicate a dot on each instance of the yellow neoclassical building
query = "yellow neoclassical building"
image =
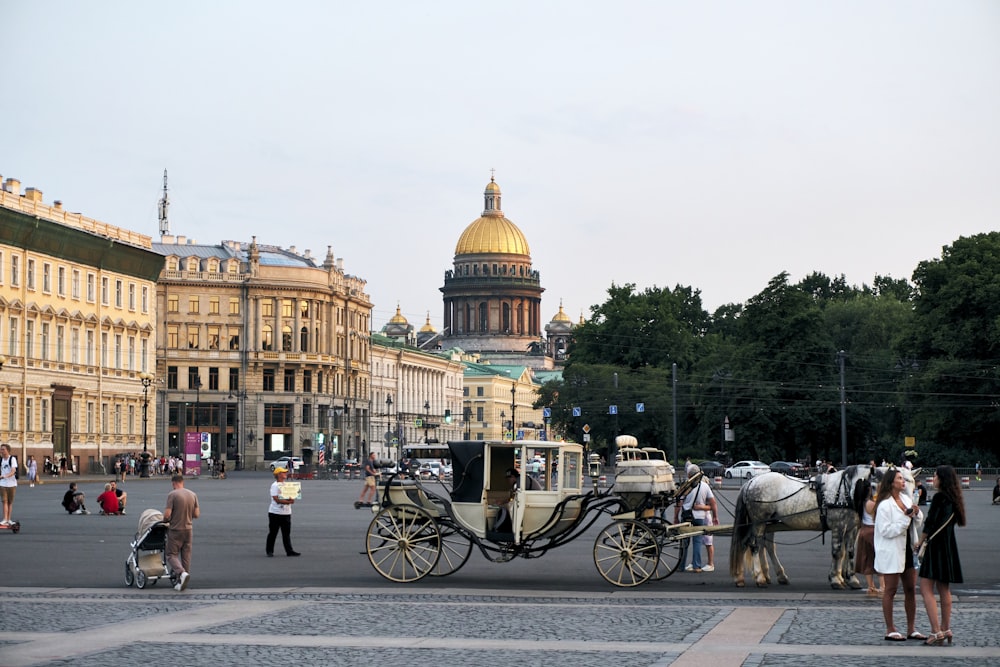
(77, 334)
(263, 351)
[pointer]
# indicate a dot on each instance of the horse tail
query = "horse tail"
(742, 533)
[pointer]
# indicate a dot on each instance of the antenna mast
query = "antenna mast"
(164, 205)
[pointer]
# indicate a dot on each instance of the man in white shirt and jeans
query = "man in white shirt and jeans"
(701, 501)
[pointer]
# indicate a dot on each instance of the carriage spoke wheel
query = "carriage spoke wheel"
(672, 549)
(455, 551)
(626, 553)
(403, 543)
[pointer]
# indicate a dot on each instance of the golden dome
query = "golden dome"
(561, 316)
(428, 327)
(398, 317)
(492, 234)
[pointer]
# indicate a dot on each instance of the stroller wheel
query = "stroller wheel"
(140, 579)
(129, 574)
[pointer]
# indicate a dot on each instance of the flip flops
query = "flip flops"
(917, 635)
(895, 637)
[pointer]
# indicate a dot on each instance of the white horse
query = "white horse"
(773, 501)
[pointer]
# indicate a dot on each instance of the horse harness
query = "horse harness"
(841, 501)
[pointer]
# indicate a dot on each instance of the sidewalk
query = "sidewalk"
(444, 626)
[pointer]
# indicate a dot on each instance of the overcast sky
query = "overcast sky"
(706, 144)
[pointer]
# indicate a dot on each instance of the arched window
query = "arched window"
(304, 339)
(484, 318)
(286, 338)
(267, 338)
(505, 315)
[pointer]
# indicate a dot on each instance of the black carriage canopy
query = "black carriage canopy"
(467, 470)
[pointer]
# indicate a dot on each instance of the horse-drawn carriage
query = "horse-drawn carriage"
(496, 505)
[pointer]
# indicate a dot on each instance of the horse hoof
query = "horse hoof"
(783, 581)
(837, 587)
(740, 584)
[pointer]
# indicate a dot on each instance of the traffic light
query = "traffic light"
(447, 416)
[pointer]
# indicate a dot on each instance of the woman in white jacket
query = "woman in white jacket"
(894, 515)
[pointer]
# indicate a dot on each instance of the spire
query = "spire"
(491, 205)
(164, 205)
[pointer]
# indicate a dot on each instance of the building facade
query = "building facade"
(263, 353)
(77, 334)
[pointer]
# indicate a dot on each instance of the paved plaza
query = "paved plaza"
(63, 601)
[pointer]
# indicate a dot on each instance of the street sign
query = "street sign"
(640, 407)
(546, 412)
(586, 428)
(418, 422)
(612, 409)
(577, 412)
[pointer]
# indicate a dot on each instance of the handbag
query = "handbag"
(923, 545)
(687, 514)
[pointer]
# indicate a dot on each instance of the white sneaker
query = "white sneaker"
(184, 581)
(177, 587)
(4, 523)
(689, 568)
(78, 512)
(708, 568)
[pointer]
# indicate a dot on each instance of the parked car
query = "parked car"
(290, 463)
(742, 469)
(790, 468)
(712, 468)
(434, 470)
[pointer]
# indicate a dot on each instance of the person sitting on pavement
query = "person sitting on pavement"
(108, 501)
(122, 496)
(73, 500)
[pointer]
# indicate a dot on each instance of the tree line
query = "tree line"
(919, 359)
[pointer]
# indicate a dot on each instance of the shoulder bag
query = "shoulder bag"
(923, 545)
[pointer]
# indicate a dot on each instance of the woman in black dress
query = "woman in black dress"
(940, 566)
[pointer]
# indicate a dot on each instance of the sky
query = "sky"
(711, 145)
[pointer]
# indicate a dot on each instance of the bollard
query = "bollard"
(718, 481)
(965, 483)
(602, 480)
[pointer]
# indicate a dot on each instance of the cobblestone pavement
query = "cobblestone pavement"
(103, 628)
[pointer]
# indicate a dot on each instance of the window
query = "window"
(267, 308)
(45, 415)
(30, 278)
(15, 274)
(213, 338)
(130, 362)
(90, 348)
(74, 345)
(171, 377)
(29, 413)
(104, 291)
(12, 413)
(91, 293)
(277, 415)
(75, 286)
(306, 413)
(104, 349)
(479, 414)
(131, 296)
(234, 340)
(286, 339)
(47, 278)
(234, 379)
(144, 351)
(90, 417)
(289, 379)
(194, 305)
(29, 338)
(213, 305)
(194, 380)
(479, 391)
(118, 293)
(145, 299)
(268, 379)
(286, 307)
(131, 420)
(104, 418)
(173, 304)
(172, 334)
(118, 351)
(12, 343)
(192, 337)
(307, 381)
(44, 341)
(234, 306)
(266, 338)
(61, 281)
(304, 309)
(60, 342)
(213, 379)
(1, 268)
(304, 340)
(118, 419)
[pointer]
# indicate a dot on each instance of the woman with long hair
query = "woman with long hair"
(864, 552)
(894, 514)
(940, 566)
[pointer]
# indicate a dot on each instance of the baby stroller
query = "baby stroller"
(148, 560)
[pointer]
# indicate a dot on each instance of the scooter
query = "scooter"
(14, 526)
(358, 504)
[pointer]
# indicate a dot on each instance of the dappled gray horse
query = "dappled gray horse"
(771, 502)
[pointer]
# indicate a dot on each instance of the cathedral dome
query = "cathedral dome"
(428, 327)
(398, 318)
(492, 233)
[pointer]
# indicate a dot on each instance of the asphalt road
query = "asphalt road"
(55, 549)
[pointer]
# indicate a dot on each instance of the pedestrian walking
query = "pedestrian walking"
(279, 516)
(33, 472)
(894, 516)
(182, 508)
(368, 492)
(8, 482)
(940, 566)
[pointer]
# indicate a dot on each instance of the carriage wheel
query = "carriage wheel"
(403, 543)
(626, 553)
(455, 551)
(140, 578)
(671, 556)
(129, 574)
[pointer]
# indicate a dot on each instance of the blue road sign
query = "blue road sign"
(612, 409)
(576, 412)
(546, 412)
(640, 407)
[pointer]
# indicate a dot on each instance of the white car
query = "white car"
(742, 469)
(294, 461)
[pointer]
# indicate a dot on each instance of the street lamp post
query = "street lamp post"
(427, 419)
(503, 425)
(513, 405)
(197, 409)
(388, 420)
(467, 416)
(146, 379)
